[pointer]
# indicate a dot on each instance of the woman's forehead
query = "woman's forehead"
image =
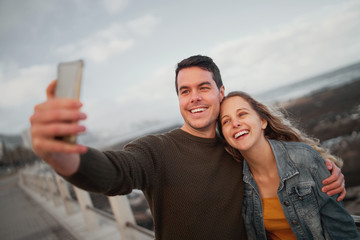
(235, 100)
(233, 103)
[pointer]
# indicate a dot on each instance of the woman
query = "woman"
(282, 175)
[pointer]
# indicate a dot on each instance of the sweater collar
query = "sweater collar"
(186, 135)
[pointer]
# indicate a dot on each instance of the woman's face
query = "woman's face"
(241, 125)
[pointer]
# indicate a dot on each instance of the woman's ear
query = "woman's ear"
(263, 124)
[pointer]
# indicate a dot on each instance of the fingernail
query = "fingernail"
(78, 104)
(324, 190)
(82, 149)
(81, 128)
(82, 116)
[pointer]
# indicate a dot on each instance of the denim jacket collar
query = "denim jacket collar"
(287, 170)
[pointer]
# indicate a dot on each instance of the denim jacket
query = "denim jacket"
(311, 213)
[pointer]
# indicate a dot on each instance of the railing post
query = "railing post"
(53, 189)
(90, 217)
(43, 186)
(65, 195)
(123, 215)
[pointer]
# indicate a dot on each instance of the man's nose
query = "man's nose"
(195, 97)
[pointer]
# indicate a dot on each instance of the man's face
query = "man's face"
(199, 100)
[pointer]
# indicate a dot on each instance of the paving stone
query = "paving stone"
(22, 218)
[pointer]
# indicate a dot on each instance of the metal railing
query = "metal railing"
(52, 187)
(102, 213)
(128, 224)
(356, 220)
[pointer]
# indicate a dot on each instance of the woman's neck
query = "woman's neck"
(260, 157)
(262, 164)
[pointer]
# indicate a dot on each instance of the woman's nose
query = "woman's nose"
(236, 123)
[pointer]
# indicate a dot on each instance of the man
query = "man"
(194, 188)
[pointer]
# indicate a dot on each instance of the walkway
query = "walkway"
(22, 218)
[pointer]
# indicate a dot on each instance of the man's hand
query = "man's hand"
(335, 183)
(52, 118)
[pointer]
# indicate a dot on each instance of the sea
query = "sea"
(308, 86)
(281, 94)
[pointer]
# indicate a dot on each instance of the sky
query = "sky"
(131, 48)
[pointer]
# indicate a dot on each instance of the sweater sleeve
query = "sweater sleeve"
(336, 221)
(118, 172)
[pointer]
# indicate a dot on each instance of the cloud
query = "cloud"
(300, 49)
(114, 6)
(25, 85)
(99, 46)
(20, 90)
(159, 86)
(153, 99)
(110, 41)
(143, 25)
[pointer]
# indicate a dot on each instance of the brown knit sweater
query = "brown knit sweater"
(194, 188)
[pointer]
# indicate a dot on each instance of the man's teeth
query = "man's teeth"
(239, 134)
(197, 110)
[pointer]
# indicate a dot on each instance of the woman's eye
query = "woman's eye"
(225, 122)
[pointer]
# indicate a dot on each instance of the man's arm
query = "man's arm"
(335, 220)
(335, 183)
(52, 118)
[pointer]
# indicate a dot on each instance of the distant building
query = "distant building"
(26, 137)
(1, 150)
(10, 142)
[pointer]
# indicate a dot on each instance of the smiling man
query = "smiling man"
(193, 186)
(199, 99)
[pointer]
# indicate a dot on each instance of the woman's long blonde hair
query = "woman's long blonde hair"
(278, 128)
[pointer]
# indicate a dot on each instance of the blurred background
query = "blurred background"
(301, 55)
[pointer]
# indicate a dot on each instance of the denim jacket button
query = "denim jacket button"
(294, 222)
(286, 203)
(300, 198)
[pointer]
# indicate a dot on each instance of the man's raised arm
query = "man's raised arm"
(53, 118)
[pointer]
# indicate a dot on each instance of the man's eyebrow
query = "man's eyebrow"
(204, 83)
(183, 87)
(201, 84)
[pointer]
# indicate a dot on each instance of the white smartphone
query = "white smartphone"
(68, 85)
(69, 79)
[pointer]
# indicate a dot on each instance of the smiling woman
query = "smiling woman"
(282, 175)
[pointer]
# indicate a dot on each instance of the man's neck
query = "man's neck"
(209, 132)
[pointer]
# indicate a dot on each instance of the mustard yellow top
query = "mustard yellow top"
(275, 222)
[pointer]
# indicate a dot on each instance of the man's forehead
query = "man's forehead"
(194, 76)
(193, 70)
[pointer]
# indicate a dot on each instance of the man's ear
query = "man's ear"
(222, 93)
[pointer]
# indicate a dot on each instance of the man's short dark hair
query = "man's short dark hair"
(202, 62)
